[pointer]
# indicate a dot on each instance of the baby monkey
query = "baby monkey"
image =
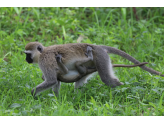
(78, 64)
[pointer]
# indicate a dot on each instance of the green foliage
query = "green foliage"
(141, 94)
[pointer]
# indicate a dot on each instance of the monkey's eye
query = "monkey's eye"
(39, 48)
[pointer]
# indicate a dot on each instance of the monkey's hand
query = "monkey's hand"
(58, 57)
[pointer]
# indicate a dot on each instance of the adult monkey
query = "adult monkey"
(71, 54)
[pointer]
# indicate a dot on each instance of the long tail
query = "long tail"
(135, 65)
(130, 58)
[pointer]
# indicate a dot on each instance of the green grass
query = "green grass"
(141, 94)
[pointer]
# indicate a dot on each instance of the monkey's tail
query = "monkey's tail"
(130, 58)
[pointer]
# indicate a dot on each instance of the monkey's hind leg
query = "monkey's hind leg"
(82, 81)
(104, 68)
(80, 64)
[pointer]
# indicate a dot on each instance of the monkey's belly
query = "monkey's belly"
(71, 76)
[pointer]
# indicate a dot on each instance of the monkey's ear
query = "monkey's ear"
(40, 49)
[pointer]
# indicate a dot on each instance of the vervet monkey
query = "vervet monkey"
(71, 54)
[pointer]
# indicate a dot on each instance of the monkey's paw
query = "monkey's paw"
(115, 83)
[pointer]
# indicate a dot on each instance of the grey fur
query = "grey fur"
(78, 62)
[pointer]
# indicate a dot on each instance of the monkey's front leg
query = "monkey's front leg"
(50, 76)
(56, 88)
(43, 86)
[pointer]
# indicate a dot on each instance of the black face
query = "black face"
(28, 58)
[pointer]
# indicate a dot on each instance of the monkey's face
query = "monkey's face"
(33, 52)
(32, 56)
